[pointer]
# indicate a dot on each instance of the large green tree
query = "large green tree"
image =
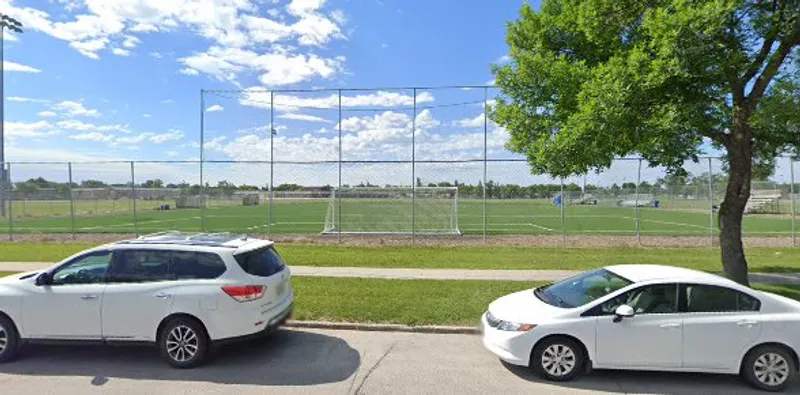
(591, 80)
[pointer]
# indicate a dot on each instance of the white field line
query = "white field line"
(666, 222)
(541, 227)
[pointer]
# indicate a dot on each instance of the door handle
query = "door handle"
(89, 297)
(746, 323)
(162, 295)
(670, 325)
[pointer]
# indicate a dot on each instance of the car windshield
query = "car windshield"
(581, 289)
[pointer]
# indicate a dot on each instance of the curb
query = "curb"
(353, 326)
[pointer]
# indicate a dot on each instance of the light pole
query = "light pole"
(6, 22)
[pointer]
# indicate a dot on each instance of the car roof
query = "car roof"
(639, 273)
(177, 238)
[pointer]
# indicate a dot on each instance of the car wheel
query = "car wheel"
(769, 368)
(9, 339)
(557, 359)
(183, 343)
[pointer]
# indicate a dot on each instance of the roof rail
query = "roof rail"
(186, 238)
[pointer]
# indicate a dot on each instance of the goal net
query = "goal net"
(393, 210)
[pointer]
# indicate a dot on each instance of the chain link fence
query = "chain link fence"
(393, 165)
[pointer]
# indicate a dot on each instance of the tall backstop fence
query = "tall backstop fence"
(415, 165)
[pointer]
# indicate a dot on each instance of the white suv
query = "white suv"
(176, 290)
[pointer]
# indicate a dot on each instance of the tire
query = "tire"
(9, 340)
(568, 359)
(179, 338)
(769, 368)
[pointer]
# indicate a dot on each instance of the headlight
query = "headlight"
(514, 326)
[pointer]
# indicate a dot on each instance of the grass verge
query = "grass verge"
(468, 257)
(413, 302)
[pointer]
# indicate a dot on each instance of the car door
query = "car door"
(652, 338)
(69, 305)
(138, 294)
(719, 324)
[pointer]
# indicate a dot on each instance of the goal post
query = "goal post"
(393, 210)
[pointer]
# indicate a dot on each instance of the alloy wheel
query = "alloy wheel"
(182, 343)
(3, 339)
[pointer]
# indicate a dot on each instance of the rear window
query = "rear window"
(190, 265)
(262, 262)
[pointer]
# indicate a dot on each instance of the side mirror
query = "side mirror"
(43, 279)
(623, 311)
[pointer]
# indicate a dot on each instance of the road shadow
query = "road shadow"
(287, 357)
(637, 382)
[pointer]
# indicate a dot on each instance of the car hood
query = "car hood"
(15, 278)
(524, 307)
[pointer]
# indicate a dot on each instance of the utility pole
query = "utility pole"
(6, 22)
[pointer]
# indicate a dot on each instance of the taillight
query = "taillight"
(244, 293)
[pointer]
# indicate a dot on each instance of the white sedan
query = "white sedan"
(647, 317)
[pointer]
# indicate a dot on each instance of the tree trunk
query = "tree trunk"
(740, 157)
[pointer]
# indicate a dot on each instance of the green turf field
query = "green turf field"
(307, 216)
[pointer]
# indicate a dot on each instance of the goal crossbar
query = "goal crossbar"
(392, 211)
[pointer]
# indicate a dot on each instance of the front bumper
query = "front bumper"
(512, 347)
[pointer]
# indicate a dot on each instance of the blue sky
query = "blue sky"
(121, 80)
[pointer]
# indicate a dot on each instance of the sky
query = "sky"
(93, 80)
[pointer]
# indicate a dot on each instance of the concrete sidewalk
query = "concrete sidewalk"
(434, 274)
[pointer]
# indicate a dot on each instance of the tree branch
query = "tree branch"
(774, 64)
(758, 62)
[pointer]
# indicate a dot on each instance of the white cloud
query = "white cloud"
(172, 135)
(276, 68)
(146, 115)
(131, 42)
(215, 108)
(167, 101)
(256, 97)
(304, 117)
(13, 66)
(315, 29)
(477, 122)
(172, 154)
(92, 136)
(21, 129)
(45, 114)
(89, 48)
(339, 16)
(84, 126)
(188, 71)
(74, 109)
(301, 7)
(503, 59)
(157, 55)
(214, 144)
(27, 100)
(121, 52)
(491, 82)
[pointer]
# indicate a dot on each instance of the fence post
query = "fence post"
(792, 191)
(7, 185)
(710, 204)
(71, 200)
(271, 156)
(485, 153)
(133, 197)
(202, 159)
(339, 196)
(414, 172)
(563, 220)
(636, 202)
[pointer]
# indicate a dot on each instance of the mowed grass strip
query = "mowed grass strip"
(761, 259)
(412, 302)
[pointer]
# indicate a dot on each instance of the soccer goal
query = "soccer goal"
(393, 210)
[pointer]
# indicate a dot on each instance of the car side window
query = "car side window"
(191, 265)
(650, 299)
(135, 266)
(87, 269)
(716, 299)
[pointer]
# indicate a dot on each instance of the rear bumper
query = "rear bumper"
(273, 324)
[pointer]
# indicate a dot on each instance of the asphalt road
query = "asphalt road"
(325, 362)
